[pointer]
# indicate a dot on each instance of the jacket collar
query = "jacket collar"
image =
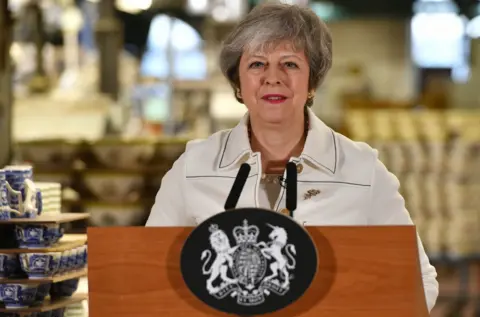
(320, 146)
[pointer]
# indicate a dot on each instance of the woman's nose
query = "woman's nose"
(273, 76)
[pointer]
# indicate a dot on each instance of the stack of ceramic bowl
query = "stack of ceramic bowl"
(33, 264)
(51, 197)
(39, 265)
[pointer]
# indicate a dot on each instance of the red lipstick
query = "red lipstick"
(274, 98)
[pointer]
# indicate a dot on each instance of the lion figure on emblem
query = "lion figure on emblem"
(221, 245)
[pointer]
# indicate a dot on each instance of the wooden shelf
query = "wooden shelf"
(48, 305)
(48, 218)
(67, 242)
(53, 279)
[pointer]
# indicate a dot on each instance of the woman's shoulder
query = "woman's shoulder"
(201, 154)
(354, 149)
(339, 150)
(355, 159)
(211, 144)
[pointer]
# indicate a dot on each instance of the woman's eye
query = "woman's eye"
(256, 64)
(291, 65)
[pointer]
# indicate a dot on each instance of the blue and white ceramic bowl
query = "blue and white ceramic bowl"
(15, 296)
(37, 236)
(85, 255)
(72, 260)
(52, 233)
(81, 257)
(9, 264)
(64, 289)
(30, 236)
(40, 265)
(63, 267)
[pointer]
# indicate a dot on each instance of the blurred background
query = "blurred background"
(100, 96)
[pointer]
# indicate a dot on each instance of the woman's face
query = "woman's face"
(274, 84)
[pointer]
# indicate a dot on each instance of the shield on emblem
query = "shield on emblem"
(250, 265)
(249, 261)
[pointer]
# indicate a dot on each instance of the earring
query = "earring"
(239, 94)
(309, 101)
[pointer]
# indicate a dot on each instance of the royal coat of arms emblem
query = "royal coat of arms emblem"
(248, 262)
(251, 269)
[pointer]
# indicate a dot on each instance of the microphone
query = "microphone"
(291, 184)
(237, 187)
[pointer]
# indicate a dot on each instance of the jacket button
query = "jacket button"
(299, 168)
(285, 211)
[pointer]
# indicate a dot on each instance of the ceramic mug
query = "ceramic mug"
(16, 176)
(3, 189)
(22, 194)
(25, 201)
(5, 209)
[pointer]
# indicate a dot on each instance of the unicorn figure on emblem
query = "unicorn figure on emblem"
(274, 250)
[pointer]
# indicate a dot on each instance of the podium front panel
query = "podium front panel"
(363, 272)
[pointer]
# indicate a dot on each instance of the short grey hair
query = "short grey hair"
(270, 23)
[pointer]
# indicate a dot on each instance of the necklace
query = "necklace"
(270, 179)
(275, 178)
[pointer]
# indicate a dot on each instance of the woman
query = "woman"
(275, 59)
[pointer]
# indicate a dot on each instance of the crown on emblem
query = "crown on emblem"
(246, 233)
(213, 228)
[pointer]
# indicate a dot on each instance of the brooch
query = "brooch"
(311, 193)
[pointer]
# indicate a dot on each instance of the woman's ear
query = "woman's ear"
(238, 93)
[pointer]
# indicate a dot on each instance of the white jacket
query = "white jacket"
(355, 187)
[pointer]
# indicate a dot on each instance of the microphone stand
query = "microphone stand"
(237, 187)
(291, 184)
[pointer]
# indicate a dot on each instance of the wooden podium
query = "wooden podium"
(363, 272)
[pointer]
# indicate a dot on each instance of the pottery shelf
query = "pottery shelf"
(48, 305)
(67, 242)
(48, 219)
(52, 279)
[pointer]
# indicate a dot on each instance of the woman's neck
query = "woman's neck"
(277, 144)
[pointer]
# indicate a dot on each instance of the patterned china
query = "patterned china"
(40, 265)
(37, 236)
(16, 296)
